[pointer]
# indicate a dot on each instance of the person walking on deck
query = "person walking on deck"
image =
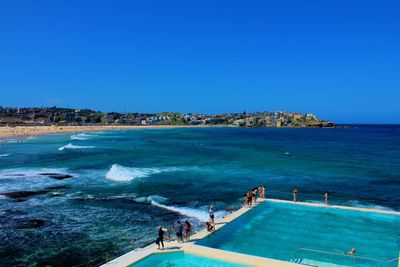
(295, 195)
(326, 198)
(160, 238)
(178, 228)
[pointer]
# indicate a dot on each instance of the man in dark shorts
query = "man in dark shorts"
(179, 231)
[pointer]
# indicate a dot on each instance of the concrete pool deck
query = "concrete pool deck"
(234, 257)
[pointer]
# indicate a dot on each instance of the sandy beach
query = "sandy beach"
(26, 131)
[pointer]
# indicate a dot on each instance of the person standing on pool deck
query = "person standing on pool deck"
(245, 202)
(295, 195)
(326, 198)
(254, 194)
(211, 213)
(249, 199)
(179, 231)
(187, 230)
(262, 191)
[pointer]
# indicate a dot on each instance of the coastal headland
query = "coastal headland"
(25, 122)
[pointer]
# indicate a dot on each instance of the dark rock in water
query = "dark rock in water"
(48, 173)
(60, 176)
(29, 224)
(21, 195)
(57, 187)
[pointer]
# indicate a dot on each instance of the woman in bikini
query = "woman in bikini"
(326, 198)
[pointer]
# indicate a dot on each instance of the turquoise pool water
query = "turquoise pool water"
(181, 259)
(291, 232)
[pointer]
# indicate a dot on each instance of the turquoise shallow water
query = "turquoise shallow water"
(293, 232)
(124, 184)
(180, 259)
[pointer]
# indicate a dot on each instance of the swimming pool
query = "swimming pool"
(181, 259)
(312, 235)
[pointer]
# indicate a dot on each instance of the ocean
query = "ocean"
(79, 199)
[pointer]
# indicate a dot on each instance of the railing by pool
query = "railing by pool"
(307, 256)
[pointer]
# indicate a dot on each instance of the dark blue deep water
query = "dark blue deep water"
(126, 183)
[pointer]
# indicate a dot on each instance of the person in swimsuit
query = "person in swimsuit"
(326, 198)
(187, 230)
(211, 214)
(351, 252)
(245, 200)
(295, 195)
(249, 199)
(263, 190)
(254, 194)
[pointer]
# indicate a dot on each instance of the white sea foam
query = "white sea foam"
(190, 212)
(71, 146)
(152, 198)
(199, 214)
(82, 136)
(120, 173)
(4, 155)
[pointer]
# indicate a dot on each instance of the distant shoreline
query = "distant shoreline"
(22, 132)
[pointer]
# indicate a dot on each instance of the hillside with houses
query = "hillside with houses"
(13, 116)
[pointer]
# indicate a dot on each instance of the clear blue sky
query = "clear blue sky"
(337, 59)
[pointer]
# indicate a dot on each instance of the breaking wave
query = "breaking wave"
(71, 146)
(158, 201)
(4, 155)
(82, 136)
(151, 199)
(120, 173)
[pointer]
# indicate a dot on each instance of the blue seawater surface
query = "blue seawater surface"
(126, 183)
